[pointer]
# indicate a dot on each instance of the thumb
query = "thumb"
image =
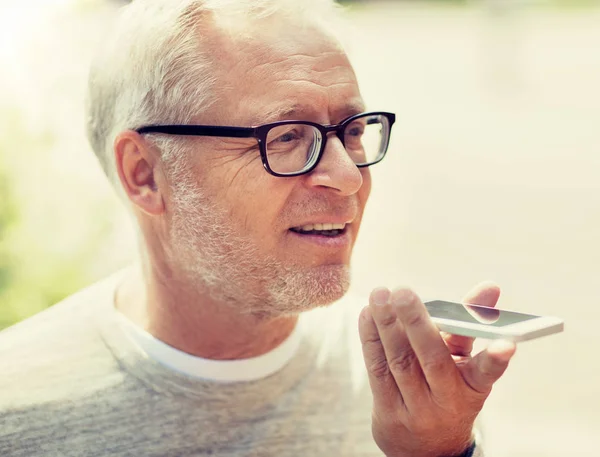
(486, 367)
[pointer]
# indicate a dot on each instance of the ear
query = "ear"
(137, 166)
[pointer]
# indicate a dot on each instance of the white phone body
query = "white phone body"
(490, 323)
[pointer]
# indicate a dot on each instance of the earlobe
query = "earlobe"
(136, 164)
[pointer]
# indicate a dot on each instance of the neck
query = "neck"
(192, 322)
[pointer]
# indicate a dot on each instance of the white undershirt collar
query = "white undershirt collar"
(214, 370)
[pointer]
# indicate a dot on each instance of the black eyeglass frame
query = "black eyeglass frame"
(261, 132)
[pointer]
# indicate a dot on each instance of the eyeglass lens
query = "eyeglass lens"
(293, 148)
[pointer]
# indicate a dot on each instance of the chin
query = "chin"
(332, 285)
(317, 287)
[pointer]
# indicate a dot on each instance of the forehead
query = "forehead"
(289, 73)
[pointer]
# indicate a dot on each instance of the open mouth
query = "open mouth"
(330, 230)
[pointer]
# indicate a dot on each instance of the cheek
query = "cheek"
(255, 200)
(233, 180)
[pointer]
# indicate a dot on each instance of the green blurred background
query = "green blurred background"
(492, 174)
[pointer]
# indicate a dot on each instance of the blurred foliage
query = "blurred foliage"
(8, 219)
(58, 216)
(41, 262)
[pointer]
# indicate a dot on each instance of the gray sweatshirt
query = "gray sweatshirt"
(73, 384)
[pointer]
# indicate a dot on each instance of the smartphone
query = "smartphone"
(490, 323)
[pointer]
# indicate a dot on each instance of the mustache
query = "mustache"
(317, 205)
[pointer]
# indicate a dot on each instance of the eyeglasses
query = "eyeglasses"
(293, 148)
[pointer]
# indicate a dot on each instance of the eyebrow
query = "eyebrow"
(283, 113)
(296, 112)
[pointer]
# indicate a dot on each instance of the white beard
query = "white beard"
(230, 266)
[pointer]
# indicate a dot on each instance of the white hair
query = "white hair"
(155, 67)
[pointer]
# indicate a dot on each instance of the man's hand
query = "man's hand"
(427, 389)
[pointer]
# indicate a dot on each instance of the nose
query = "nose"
(336, 170)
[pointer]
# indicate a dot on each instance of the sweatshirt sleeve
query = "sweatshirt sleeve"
(478, 439)
(477, 451)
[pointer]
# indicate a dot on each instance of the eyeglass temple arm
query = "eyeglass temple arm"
(199, 130)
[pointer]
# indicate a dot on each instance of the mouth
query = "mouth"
(321, 229)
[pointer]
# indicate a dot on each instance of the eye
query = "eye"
(356, 129)
(287, 137)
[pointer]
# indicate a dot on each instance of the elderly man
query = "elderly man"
(236, 134)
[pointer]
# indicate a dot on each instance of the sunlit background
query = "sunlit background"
(492, 174)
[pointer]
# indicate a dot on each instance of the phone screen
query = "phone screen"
(475, 314)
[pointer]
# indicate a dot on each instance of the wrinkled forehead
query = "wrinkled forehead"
(278, 71)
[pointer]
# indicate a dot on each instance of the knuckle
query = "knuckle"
(488, 375)
(490, 372)
(414, 319)
(387, 320)
(379, 368)
(403, 362)
(434, 365)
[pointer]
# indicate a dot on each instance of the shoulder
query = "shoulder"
(41, 357)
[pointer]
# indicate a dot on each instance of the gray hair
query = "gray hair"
(153, 62)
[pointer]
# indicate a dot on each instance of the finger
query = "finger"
(401, 359)
(433, 355)
(484, 294)
(386, 396)
(486, 367)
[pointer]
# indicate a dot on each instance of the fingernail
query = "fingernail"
(404, 297)
(380, 296)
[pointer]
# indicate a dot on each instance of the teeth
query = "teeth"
(311, 227)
